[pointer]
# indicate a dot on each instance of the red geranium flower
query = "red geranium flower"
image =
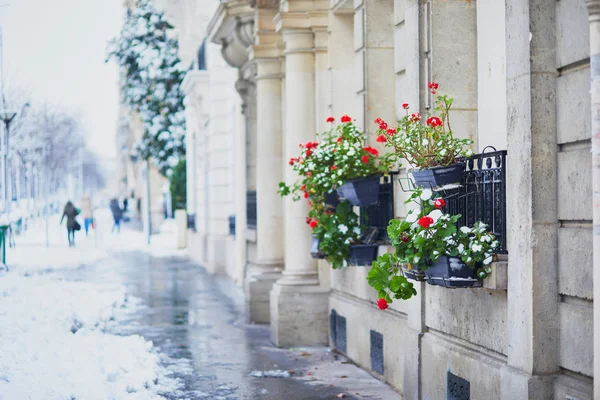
(391, 131)
(309, 153)
(426, 221)
(415, 117)
(306, 195)
(309, 173)
(330, 119)
(434, 121)
(371, 150)
(333, 167)
(383, 126)
(439, 203)
(378, 120)
(365, 159)
(345, 118)
(382, 304)
(433, 85)
(313, 223)
(308, 219)
(303, 188)
(339, 140)
(405, 106)
(381, 139)
(292, 161)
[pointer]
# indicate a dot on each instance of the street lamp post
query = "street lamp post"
(7, 117)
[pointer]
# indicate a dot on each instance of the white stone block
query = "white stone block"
(575, 185)
(575, 269)
(572, 32)
(572, 99)
(576, 338)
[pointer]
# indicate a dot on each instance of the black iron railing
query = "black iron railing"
(232, 225)
(482, 195)
(251, 209)
(191, 222)
(379, 215)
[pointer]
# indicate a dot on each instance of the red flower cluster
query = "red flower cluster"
(415, 117)
(330, 119)
(382, 124)
(309, 153)
(371, 150)
(426, 221)
(293, 160)
(339, 140)
(312, 222)
(311, 145)
(333, 167)
(303, 188)
(381, 139)
(391, 131)
(382, 304)
(433, 86)
(434, 121)
(405, 106)
(439, 203)
(345, 118)
(306, 195)
(365, 159)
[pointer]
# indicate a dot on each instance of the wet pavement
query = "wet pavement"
(196, 321)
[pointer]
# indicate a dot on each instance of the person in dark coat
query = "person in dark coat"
(70, 212)
(117, 213)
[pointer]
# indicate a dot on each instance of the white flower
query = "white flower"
(486, 238)
(461, 248)
(347, 241)
(416, 259)
(412, 216)
(476, 247)
(435, 215)
(342, 228)
(356, 230)
(351, 152)
(443, 152)
(426, 194)
(487, 260)
(435, 252)
(465, 229)
(425, 142)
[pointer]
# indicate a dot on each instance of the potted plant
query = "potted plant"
(429, 147)
(359, 168)
(428, 240)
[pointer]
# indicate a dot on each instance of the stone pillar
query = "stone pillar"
(532, 219)
(594, 11)
(267, 266)
(299, 305)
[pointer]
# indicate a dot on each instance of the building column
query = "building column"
(299, 305)
(594, 11)
(267, 267)
(532, 216)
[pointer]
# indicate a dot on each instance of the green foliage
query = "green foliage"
(178, 185)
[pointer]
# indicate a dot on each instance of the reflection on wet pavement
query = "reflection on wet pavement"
(195, 319)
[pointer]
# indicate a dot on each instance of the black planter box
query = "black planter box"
(451, 272)
(439, 176)
(315, 252)
(363, 254)
(332, 199)
(361, 192)
(413, 274)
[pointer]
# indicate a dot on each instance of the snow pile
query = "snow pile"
(41, 357)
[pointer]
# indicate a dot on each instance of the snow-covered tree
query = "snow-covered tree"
(152, 73)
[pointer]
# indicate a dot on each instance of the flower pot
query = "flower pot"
(414, 274)
(451, 272)
(315, 252)
(332, 199)
(439, 176)
(362, 254)
(361, 192)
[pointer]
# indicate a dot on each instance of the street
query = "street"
(201, 347)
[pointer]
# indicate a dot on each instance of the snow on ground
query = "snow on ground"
(55, 340)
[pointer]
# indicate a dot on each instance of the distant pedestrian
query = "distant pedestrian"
(125, 204)
(117, 213)
(70, 212)
(88, 213)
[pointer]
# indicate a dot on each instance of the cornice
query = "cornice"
(301, 20)
(593, 9)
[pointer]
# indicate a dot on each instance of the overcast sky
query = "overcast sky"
(57, 48)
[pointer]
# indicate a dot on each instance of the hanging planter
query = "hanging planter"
(451, 272)
(315, 252)
(413, 273)
(431, 178)
(361, 192)
(362, 254)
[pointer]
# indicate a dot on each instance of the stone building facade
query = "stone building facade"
(520, 75)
